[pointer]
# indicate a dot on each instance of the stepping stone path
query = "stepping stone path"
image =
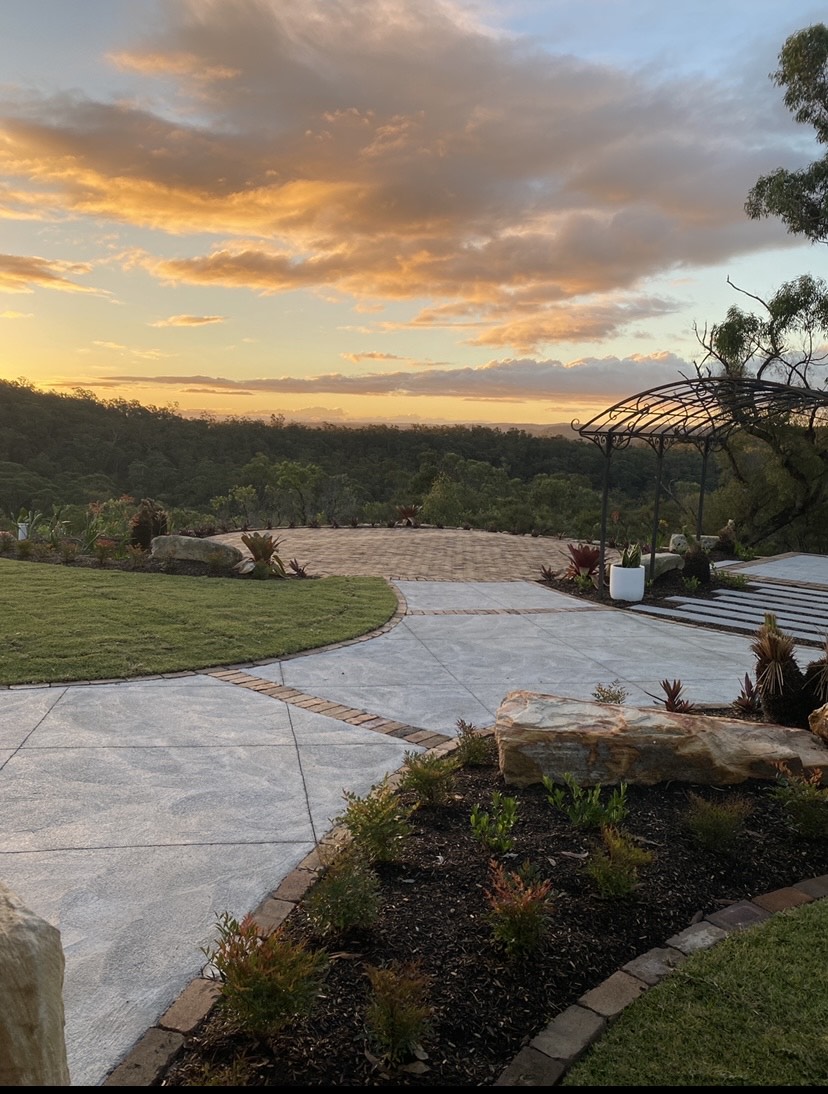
(801, 611)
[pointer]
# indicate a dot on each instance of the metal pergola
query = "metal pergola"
(703, 412)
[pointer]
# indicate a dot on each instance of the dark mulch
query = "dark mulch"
(486, 1005)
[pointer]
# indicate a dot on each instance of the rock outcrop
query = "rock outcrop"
(196, 549)
(663, 563)
(603, 744)
(32, 1044)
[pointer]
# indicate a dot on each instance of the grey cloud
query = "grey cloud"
(511, 379)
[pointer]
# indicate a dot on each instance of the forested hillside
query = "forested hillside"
(69, 450)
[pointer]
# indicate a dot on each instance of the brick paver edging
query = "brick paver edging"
(550, 1054)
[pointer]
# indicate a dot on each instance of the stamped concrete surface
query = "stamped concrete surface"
(137, 812)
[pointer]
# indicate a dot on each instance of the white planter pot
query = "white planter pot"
(627, 582)
(22, 530)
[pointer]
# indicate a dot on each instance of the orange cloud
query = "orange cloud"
(21, 273)
(188, 321)
(399, 152)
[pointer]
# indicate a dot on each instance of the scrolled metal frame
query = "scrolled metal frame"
(703, 412)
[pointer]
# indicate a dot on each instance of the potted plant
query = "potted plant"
(627, 575)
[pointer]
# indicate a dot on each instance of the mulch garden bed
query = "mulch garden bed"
(484, 1004)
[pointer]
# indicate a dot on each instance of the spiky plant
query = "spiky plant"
(815, 684)
(584, 560)
(779, 679)
(748, 701)
(673, 700)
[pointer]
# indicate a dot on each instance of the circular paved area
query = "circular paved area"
(411, 554)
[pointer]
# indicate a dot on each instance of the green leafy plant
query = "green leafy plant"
(24, 548)
(691, 584)
(586, 808)
(474, 749)
(346, 897)
(729, 580)
(428, 776)
(520, 908)
(631, 556)
(715, 825)
(804, 799)
(494, 829)
(614, 866)
(265, 981)
(378, 823)
(398, 1016)
(614, 692)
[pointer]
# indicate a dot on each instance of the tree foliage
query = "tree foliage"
(800, 197)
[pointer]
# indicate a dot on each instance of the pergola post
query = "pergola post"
(606, 448)
(705, 454)
(660, 455)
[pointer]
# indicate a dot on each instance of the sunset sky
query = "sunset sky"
(385, 210)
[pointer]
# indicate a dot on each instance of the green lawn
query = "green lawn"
(62, 624)
(751, 1011)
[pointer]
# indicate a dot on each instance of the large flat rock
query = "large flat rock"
(602, 744)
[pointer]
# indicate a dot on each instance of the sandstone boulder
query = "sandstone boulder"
(601, 744)
(818, 722)
(32, 1045)
(679, 542)
(663, 563)
(195, 549)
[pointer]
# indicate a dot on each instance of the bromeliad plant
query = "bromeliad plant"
(265, 562)
(584, 561)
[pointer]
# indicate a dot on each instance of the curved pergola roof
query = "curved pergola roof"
(704, 411)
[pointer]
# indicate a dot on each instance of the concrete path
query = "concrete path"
(135, 813)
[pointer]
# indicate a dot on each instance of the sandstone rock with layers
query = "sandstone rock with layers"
(195, 549)
(602, 744)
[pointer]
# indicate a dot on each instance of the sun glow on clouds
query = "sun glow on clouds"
(188, 321)
(401, 155)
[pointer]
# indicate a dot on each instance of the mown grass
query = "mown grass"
(61, 624)
(751, 1011)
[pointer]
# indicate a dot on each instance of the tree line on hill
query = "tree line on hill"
(61, 452)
